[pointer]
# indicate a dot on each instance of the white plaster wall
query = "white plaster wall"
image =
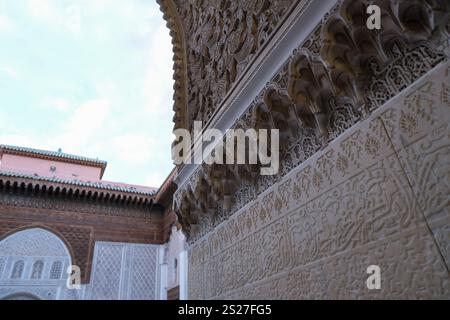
(175, 247)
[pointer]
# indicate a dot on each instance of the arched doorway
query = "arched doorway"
(32, 265)
(21, 296)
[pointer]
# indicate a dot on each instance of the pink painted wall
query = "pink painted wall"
(42, 167)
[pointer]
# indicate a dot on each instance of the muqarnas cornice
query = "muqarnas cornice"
(336, 78)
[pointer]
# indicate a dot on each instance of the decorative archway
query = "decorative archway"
(77, 240)
(34, 241)
(28, 248)
(21, 296)
(52, 232)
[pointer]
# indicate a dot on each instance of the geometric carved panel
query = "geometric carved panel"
(79, 239)
(124, 271)
(144, 266)
(363, 200)
(106, 275)
(33, 242)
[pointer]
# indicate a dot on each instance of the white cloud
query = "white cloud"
(10, 72)
(84, 124)
(158, 82)
(23, 141)
(45, 11)
(99, 5)
(125, 60)
(6, 24)
(56, 14)
(73, 19)
(61, 104)
(56, 103)
(100, 31)
(156, 179)
(134, 149)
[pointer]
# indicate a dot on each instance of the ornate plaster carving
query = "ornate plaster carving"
(336, 78)
(214, 41)
(377, 195)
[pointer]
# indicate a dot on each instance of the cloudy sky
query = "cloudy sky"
(93, 77)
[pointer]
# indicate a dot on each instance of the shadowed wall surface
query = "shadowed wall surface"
(364, 148)
(378, 195)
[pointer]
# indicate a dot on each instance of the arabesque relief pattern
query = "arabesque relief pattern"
(222, 37)
(377, 195)
(338, 77)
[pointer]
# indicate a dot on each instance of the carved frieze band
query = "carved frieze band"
(74, 205)
(377, 195)
(336, 78)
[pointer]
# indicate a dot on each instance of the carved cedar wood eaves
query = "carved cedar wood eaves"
(336, 78)
(28, 192)
(173, 20)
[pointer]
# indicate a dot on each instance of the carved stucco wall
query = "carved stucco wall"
(313, 85)
(120, 270)
(376, 195)
(221, 38)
